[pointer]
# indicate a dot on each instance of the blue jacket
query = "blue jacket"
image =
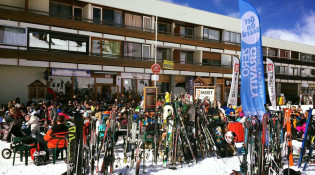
(229, 110)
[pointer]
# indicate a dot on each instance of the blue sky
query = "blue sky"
(292, 20)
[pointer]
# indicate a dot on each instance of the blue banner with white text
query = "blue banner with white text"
(253, 96)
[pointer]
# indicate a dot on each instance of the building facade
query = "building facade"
(99, 49)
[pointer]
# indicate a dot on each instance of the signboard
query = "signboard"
(234, 84)
(271, 83)
(71, 72)
(190, 85)
(150, 98)
(201, 92)
(253, 96)
(135, 76)
(155, 68)
(168, 64)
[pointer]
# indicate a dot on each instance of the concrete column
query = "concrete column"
(278, 85)
(173, 28)
(198, 57)
(172, 83)
(42, 5)
(172, 54)
(289, 54)
(87, 12)
(278, 54)
(299, 89)
(198, 32)
(299, 56)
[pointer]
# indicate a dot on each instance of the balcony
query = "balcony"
(290, 61)
(106, 60)
(44, 18)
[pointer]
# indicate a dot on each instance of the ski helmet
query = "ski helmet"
(229, 137)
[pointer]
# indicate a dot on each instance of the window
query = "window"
(189, 32)
(112, 17)
(226, 60)
(281, 70)
(305, 57)
(163, 54)
(147, 25)
(39, 39)
(60, 10)
(12, 36)
(111, 48)
(106, 48)
(186, 57)
(68, 43)
(186, 32)
(232, 37)
(36, 90)
(295, 71)
(57, 41)
(96, 47)
(272, 52)
(164, 28)
(133, 21)
(211, 34)
(146, 52)
(132, 49)
(97, 15)
(211, 58)
(306, 72)
(77, 13)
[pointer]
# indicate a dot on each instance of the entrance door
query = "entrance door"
(106, 92)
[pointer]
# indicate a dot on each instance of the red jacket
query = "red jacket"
(52, 142)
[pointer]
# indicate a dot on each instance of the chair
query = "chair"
(23, 145)
(148, 137)
(59, 137)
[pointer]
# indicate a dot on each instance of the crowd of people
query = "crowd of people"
(41, 120)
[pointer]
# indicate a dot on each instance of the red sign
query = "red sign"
(270, 67)
(237, 67)
(155, 68)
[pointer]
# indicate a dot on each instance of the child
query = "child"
(33, 122)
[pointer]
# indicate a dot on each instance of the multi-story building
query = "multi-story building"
(93, 48)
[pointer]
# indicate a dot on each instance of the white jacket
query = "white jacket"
(34, 125)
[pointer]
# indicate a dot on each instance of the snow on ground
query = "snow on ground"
(207, 166)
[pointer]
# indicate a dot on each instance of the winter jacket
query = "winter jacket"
(34, 125)
(229, 110)
(58, 130)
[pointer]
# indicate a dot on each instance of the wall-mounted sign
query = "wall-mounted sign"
(71, 72)
(168, 64)
(135, 76)
(228, 82)
(150, 98)
(201, 92)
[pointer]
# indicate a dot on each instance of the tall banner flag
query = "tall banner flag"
(234, 86)
(271, 84)
(253, 97)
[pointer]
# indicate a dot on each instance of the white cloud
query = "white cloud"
(303, 32)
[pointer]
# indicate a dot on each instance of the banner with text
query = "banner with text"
(203, 93)
(253, 96)
(271, 84)
(234, 86)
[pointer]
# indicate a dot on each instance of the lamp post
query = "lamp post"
(155, 46)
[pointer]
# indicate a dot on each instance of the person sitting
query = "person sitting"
(59, 128)
(230, 111)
